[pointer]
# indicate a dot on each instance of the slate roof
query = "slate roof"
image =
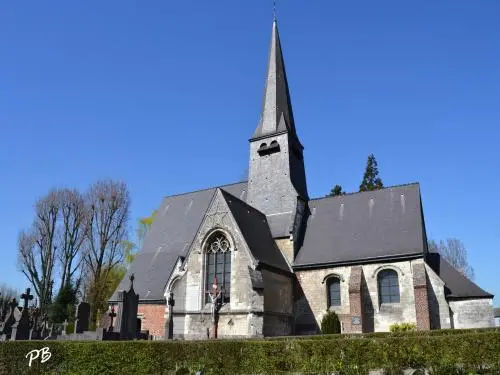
(170, 236)
(457, 285)
(255, 229)
(277, 115)
(386, 223)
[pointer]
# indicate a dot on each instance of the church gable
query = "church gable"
(171, 235)
(218, 250)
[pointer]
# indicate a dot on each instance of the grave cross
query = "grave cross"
(27, 297)
(112, 315)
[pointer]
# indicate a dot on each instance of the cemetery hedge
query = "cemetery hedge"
(461, 353)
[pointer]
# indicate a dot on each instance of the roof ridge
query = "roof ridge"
(204, 189)
(370, 191)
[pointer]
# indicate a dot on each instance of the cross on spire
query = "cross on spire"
(274, 11)
(27, 297)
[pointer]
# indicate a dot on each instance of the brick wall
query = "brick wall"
(355, 301)
(421, 297)
(153, 319)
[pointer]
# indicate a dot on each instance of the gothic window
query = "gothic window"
(218, 264)
(388, 286)
(333, 286)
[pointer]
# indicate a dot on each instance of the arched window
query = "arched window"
(388, 286)
(218, 264)
(333, 286)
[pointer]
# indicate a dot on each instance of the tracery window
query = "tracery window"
(218, 264)
(388, 286)
(333, 286)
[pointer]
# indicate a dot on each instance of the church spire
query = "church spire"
(277, 115)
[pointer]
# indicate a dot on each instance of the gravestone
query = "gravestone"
(21, 328)
(35, 324)
(126, 322)
(82, 317)
(10, 320)
(35, 333)
(65, 326)
(44, 332)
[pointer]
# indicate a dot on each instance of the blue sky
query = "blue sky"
(164, 95)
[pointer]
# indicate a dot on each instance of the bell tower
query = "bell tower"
(276, 182)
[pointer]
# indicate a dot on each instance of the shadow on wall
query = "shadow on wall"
(368, 311)
(434, 309)
(305, 323)
(433, 261)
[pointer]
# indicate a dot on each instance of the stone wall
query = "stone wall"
(270, 189)
(439, 310)
(287, 249)
(472, 313)
(278, 304)
(315, 294)
(375, 317)
(231, 325)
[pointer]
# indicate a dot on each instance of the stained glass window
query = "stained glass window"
(218, 264)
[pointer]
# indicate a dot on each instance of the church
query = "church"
(284, 258)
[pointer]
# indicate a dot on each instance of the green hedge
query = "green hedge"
(437, 332)
(442, 354)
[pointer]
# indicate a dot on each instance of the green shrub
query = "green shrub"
(403, 327)
(330, 323)
(440, 354)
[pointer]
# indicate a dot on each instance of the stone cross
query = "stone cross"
(112, 315)
(26, 297)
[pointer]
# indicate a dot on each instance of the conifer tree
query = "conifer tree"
(371, 181)
(336, 191)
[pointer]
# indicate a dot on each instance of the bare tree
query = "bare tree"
(109, 205)
(454, 251)
(37, 248)
(72, 233)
